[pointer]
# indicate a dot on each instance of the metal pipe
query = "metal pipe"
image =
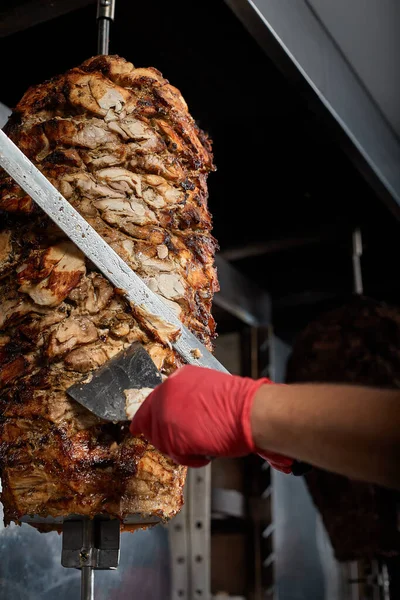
(103, 40)
(357, 253)
(105, 14)
(87, 583)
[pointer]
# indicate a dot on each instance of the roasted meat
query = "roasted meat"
(120, 145)
(358, 344)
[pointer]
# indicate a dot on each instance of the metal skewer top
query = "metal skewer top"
(82, 546)
(105, 14)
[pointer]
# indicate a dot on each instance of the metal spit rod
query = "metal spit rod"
(357, 254)
(87, 571)
(105, 14)
(87, 583)
(89, 545)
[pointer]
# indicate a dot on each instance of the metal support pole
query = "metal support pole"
(89, 545)
(105, 14)
(357, 253)
(199, 488)
(87, 572)
(87, 583)
(189, 536)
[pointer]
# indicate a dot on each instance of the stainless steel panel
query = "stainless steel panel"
(304, 564)
(5, 112)
(179, 543)
(295, 28)
(240, 296)
(189, 535)
(199, 488)
(367, 32)
(298, 567)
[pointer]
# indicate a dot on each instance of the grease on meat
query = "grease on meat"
(120, 145)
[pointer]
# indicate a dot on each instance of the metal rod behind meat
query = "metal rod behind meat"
(87, 583)
(105, 14)
(87, 573)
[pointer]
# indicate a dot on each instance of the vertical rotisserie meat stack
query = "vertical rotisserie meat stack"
(120, 145)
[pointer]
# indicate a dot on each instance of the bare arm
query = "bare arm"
(350, 430)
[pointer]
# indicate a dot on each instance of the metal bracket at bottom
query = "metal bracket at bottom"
(88, 545)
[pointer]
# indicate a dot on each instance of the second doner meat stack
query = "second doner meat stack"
(120, 145)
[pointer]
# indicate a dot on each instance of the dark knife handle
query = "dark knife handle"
(300, 468)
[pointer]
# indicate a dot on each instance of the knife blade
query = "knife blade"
(34, 183)
(115, 391)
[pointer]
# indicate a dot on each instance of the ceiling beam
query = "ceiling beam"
(301, 46)
(22, 15)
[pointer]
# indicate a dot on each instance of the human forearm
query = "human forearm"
(346, 429)
(197, 413)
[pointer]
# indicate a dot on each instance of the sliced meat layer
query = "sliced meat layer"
(119, 143)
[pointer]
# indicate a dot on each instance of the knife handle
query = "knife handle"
(300, 468)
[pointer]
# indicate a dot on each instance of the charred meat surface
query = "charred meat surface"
(121, 146)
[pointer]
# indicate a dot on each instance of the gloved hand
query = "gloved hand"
(197, 413)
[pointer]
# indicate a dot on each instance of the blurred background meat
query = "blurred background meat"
(357, 343)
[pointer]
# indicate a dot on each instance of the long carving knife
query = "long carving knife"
(34, 183)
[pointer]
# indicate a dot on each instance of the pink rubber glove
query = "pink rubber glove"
(198, 413)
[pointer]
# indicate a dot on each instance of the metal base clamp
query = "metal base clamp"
(89, 545)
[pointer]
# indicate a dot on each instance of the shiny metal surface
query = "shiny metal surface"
(300, 44)
(304, 561)
(103, 36)
(179, 543)
(87, 583)
(98, 251)
(357, 254)
(78, 543)
(241, 297)
(106, 9)
(5, 112)
(104, 396)
(199, 484)
(105, 14)
(91, 543)
(189, 535)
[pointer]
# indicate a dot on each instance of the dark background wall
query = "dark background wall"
(282, 180)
